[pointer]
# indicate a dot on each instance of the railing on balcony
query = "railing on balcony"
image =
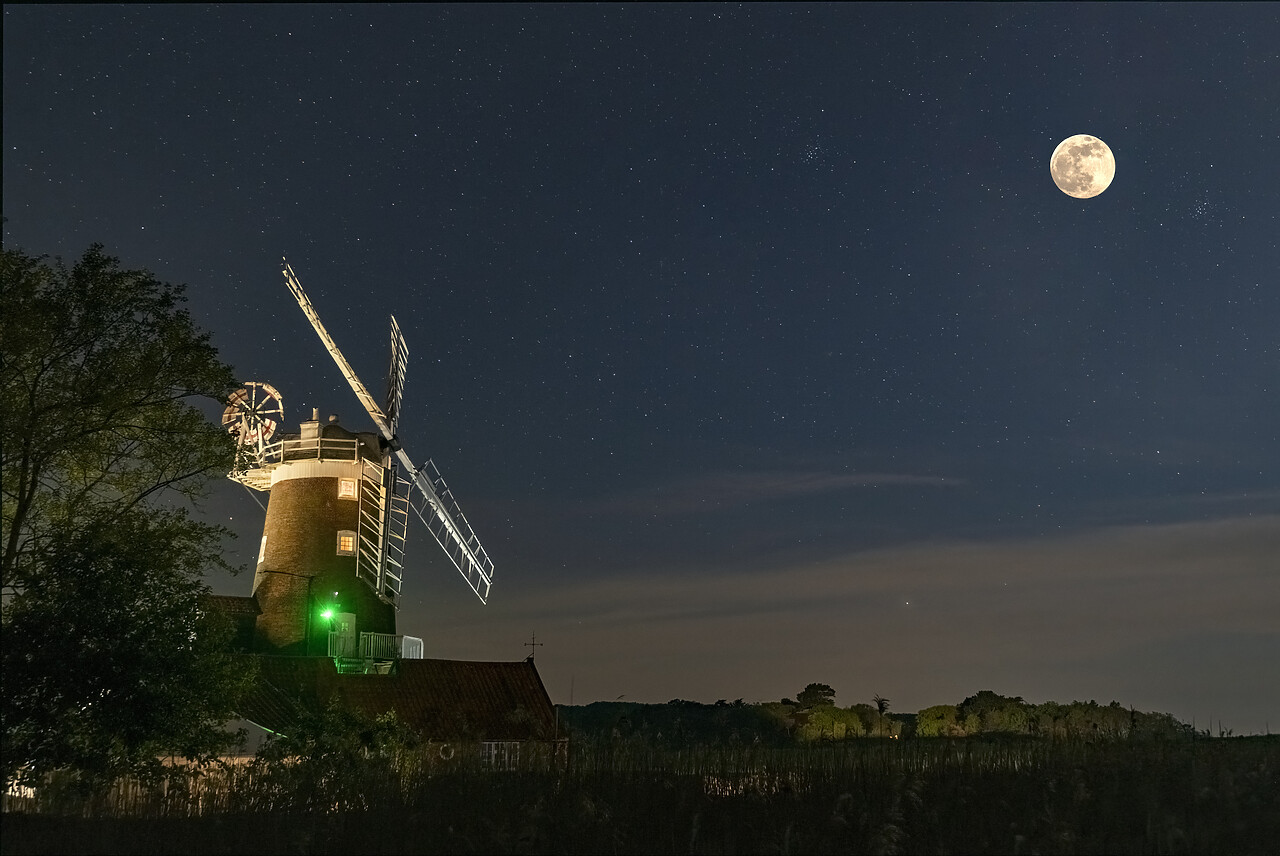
(379, 646)
(375, 646)
(343, 645)
(315, 447)
(411, 649)
(255, 470)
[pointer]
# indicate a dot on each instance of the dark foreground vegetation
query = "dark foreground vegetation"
(973, 795)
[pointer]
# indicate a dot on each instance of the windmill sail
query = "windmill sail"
(379, 418)
(383, 520)
(395, 375)
(445, 521)
(435, 506)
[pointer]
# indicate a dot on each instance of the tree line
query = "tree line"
(813, 716)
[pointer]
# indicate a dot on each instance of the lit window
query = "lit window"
(346, 488)
(346, 543)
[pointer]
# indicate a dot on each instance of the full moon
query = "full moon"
(1082, 166)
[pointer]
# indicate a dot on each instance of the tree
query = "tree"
(108, 658)
(995, 713)
(815, 695)
(882, 705)
(99, 367)
(937, 721)
(848, 722)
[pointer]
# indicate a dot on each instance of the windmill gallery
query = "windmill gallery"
(321, 619)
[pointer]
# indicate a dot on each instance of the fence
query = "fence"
(375, 646)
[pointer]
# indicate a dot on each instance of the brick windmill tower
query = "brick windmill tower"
(331, 563)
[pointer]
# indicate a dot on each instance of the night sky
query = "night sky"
(756, 342)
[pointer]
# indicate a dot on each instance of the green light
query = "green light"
(328, 613)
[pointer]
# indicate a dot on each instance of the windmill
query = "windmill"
(331, 563)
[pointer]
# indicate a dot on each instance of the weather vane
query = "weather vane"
(532, 643)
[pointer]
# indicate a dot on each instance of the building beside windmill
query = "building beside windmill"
(498, 711)
(321, 619)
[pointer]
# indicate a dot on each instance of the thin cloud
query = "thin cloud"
(1225, 558)
(723, 490)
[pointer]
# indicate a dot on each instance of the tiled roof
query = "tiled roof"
(439, 699)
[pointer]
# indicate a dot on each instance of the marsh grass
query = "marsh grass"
(637, 796)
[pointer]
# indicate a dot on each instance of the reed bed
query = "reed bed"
(635, 796)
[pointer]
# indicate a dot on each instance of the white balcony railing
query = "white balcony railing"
(411, 649)
(343, 645)
(380, 646)
(328, 448)
(253, 467)
(375, 646)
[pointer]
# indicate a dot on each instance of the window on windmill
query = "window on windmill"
(346, 488)
(346, 543)
(262, 551)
